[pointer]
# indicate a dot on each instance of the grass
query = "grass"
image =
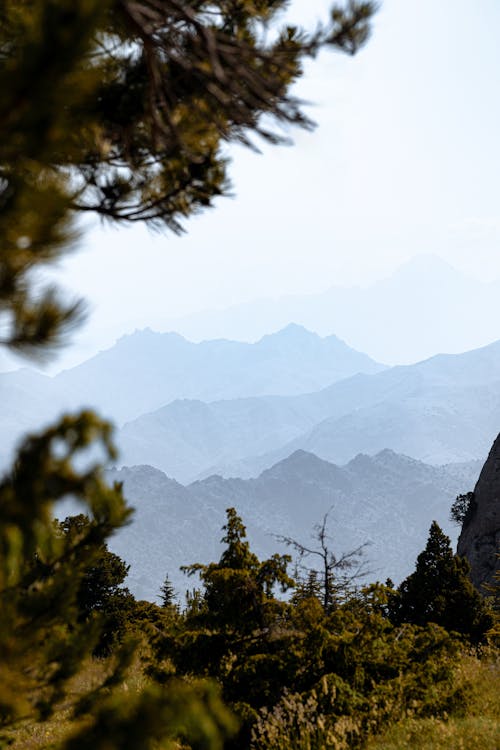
(31, 735)
(470, 733)
(477, 729)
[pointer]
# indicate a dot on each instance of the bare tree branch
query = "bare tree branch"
(338, 573)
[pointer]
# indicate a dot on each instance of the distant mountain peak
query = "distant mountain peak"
(301, 456)
(360, 459)
(388, 456)
(296, 328)
(143, 472)
(426, 264)
(299, 462)
(291, 331)
(144, 334)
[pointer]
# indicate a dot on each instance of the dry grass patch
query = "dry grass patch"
(32, 735)
(477, 729)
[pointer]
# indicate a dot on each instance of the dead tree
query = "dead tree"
(334, 576)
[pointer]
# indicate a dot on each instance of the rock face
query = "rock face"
(479, 540)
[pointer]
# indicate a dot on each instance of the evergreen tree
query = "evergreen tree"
(349, 668)
(238, 590)
(119, 108)
(234, 627)
(42, 637)
(167, 593)
(307, 587)
(463, 509)
(493, 594)
(102, 580)
(440, 591)
(100, 592)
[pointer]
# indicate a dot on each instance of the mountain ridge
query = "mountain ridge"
(445, 409)
(146, 370)
(373, 498)
(460, 313)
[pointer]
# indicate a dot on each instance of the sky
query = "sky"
(405, 160)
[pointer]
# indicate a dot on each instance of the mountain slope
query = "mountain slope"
(434, 424)
(387, 500)
(186, 437)
(441, 410)
(147, 370)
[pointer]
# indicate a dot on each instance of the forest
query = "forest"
(261, 654)
(123, 109)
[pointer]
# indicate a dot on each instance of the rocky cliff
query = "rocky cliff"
(479, 540)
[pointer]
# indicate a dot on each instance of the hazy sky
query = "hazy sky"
(405, 160)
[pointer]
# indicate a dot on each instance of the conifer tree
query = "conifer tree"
(117, 108)
(463, 509)
(120, 108)
(167, 593)
(441, 592)
(238, 590)
(42, 638)
(100, 593)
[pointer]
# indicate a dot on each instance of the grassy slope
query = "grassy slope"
(477, 729)
(35, 736)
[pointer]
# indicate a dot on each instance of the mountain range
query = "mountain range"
(444, 409)
(425, 306)
(185, 408)
(371, 500)
(286, 430)
(146, 370)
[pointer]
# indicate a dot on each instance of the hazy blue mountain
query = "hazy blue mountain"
(146, 370)
(435, 424)
(425, 306)
(444, 409)
(387, 500)
(26, 403)
(186, 437)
